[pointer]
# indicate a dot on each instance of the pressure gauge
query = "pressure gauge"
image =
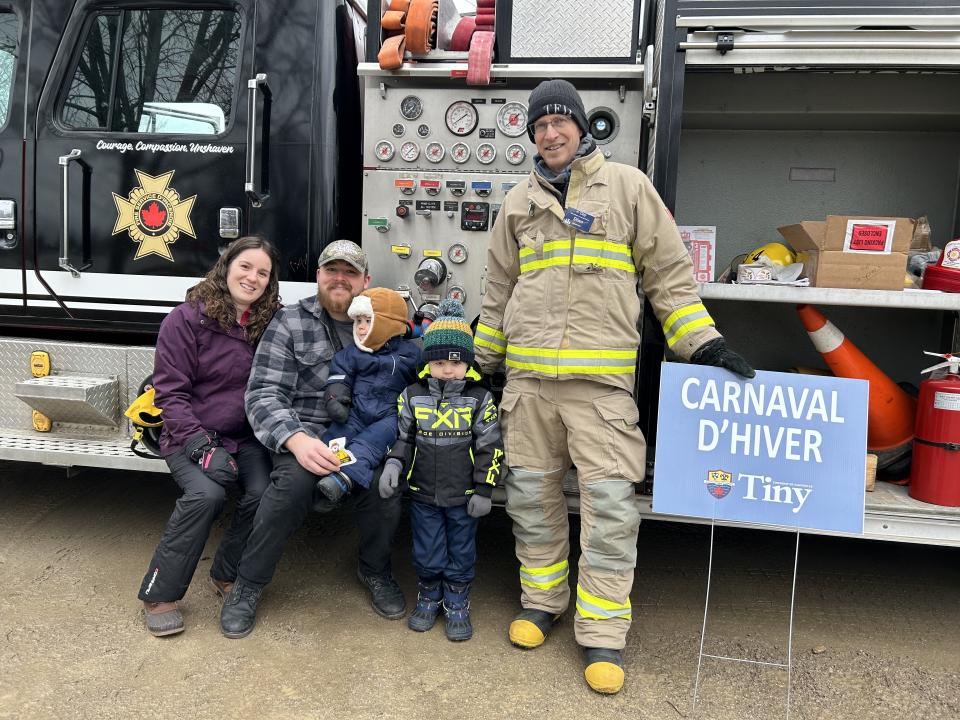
(461, 118)
(384, 151)
(409, 151)
(399, 129)
(457, 293)
(423, 130)
(457, 253)
(434, 152)
(411, 107)
(486, 153)
(512, 119)
(460, 153)
(516, 154)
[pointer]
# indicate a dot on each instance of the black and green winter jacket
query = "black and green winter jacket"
(449, 441)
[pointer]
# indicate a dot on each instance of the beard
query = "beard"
(332, 305)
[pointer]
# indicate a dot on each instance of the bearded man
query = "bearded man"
(286, 409)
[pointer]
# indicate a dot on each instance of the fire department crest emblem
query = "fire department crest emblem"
(154, 215)
(719, 483)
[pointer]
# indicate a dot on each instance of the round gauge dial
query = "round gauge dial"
(434, 152)
(409, 151)
(384, 151)
(457, 293)
(461, 118)
(512, 119)
(399, 129)
(516, 154)
(457, 253)
(423, 130)
(411, 107)
(486, 153)
(460, 153)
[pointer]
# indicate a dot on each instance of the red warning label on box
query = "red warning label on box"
(869, 236)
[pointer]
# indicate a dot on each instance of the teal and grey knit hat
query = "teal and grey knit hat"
(449, 337)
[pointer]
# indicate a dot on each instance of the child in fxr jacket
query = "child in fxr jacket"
(450, 449)
(365, 380)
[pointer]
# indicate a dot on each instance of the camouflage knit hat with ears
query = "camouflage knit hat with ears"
(387, 311)
(449, 337)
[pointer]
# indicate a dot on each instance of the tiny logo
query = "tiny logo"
(453, 356)
(719, 483)
(153, 215)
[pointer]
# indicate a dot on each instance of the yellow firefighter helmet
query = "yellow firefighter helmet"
(777, 253)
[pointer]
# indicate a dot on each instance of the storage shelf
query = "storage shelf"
(913, 299)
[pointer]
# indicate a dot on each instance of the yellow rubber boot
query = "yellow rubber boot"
(531, 627)
(604, 670)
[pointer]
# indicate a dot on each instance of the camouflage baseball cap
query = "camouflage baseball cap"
(345, 250)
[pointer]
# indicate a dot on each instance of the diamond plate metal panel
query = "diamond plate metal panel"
(52, 449)
(569, 28)
(129, 365)
(72, 398)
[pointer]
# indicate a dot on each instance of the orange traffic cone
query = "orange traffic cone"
(891, 412)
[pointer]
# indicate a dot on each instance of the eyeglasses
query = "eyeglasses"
(559, 124)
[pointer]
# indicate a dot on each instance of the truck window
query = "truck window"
(155, 71)
(8, 61)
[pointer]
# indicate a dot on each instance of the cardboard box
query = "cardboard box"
(701, 243)
(851, 251)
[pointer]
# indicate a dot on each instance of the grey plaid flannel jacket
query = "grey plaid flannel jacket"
(290, 367)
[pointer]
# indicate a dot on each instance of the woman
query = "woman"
(204, 352)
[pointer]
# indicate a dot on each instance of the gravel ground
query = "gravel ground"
(876, 627)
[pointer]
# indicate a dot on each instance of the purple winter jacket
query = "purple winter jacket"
(200, 374)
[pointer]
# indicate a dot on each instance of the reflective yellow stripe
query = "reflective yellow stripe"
(490, 338)
(685, 320)
(603, 253)
(586, 251)
(552, 361)
(598, 608)
(546, 577)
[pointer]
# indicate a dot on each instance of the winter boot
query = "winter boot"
(456, 606)
(603, 670)
(424, 615)
(239, 612)
(163, 618)
(530, 628)
(335, 486)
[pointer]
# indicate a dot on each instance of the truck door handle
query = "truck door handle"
(65, 264)
(258, 195)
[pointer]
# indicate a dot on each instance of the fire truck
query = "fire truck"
(139, 138)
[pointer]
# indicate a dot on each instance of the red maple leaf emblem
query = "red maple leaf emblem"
(153, 215)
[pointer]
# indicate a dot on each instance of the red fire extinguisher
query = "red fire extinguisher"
(935, 477)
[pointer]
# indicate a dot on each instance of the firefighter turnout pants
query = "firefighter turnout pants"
(547, 425)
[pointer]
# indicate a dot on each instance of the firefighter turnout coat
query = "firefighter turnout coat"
(561, 301)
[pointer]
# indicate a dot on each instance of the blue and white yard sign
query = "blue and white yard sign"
(780, 449)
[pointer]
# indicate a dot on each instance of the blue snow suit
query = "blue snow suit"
(376, 381)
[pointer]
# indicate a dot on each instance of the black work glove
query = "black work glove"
(717, 353)
(217, 464)
(338, 399)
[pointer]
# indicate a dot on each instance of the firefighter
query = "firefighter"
(561, 309)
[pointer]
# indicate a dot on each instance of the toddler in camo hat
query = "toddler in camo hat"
(449, 337)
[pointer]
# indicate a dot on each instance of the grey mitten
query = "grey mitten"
(390, 478)
(478, 506)
(338, 399)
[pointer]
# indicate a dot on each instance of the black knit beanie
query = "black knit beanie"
(555, 97)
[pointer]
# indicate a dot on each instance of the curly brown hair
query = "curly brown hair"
(213, 291)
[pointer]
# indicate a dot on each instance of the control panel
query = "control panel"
(439, 158)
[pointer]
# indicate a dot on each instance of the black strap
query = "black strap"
(952, 447)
